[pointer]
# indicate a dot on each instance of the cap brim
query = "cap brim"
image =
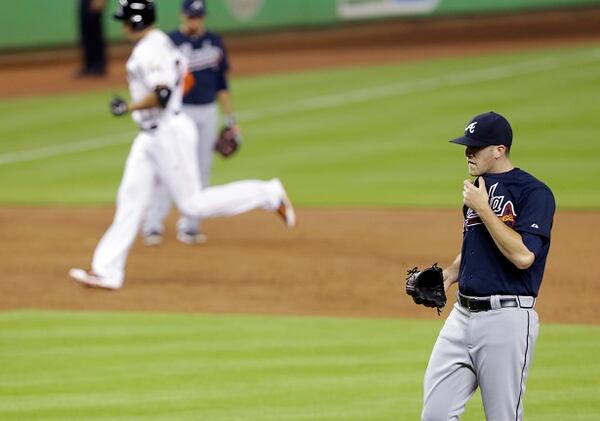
(467, 141)
(117, 16)
(194, 14)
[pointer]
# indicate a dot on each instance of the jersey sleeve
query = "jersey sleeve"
(536, 213)
(534, 243)
(160, 70)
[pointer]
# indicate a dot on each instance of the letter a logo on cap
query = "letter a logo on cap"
(471, 127)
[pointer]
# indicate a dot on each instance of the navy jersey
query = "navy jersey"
(523, 203)
(207, 62)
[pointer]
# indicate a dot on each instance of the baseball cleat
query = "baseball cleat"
(89, 279)
(285, 209)
(192, 237)
(153, 238)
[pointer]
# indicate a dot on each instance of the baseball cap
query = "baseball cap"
(194, 8)
(486, 129)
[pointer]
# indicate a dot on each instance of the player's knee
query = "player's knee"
(193, 208)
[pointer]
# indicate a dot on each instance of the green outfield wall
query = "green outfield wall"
(35, 24)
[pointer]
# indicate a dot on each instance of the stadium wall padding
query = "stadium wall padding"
(33, 24)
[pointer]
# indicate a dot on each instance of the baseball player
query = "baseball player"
(165, 148)
(208, 64)
(91, 38)
(489, 336)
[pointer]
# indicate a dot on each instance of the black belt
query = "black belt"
(484, 303)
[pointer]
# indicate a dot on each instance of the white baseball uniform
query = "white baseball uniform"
(165, 149)
(208, 64)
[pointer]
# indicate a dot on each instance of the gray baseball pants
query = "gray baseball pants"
(490, 349)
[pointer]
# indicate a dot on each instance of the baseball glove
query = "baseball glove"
(228, 141)
(427, 287)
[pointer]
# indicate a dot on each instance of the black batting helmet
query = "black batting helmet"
(139, 14)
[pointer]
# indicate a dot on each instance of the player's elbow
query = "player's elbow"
(524, 260)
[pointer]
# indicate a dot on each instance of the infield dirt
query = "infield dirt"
(337, 262)
(344, 262)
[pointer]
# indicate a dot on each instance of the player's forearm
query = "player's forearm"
(149, 101)
(509, 242)
(225, 103)
(451, 272)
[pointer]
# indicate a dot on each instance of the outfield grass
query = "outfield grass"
(365, 136)
(93, 366)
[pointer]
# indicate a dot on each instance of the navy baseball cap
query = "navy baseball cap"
(486, 129)
(194, 8)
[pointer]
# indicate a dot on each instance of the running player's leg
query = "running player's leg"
(206, 119)
(133, 195)
(449, 379)
(183, 179)
(157, 210)
(507, 339)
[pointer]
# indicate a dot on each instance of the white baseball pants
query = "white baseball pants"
(169, 153)
(206, 119)
(490, 349)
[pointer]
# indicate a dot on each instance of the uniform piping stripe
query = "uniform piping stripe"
(523, 369)
(335, 100)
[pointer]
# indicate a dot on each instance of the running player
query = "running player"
(165, 148)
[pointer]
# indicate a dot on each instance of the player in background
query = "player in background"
(208, 66)
(165, 148)
(91, 38)
(489, 336)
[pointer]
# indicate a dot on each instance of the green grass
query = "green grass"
(363, 136)
(93, 366)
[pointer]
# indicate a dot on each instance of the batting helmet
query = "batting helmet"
(139, 14)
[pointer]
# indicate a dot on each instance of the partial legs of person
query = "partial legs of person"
(506, 339)
(492, 350)
(159, 206)
(111, 253)
(92, 44)
(206, 117)
(177, 163)
(170, 154)
(450, 378)
(189, 228)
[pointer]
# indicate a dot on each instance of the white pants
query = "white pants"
(490, 349)
(168, 153)
(206, 119)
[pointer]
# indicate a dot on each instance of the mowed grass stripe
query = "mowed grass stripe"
(221, 367)
(316, 103)
(69, 365)
(389, 149)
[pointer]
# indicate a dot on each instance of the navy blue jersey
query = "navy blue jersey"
(207, 62)
(523, 203)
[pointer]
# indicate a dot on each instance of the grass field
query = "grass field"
(93, 366)
(366, 136)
